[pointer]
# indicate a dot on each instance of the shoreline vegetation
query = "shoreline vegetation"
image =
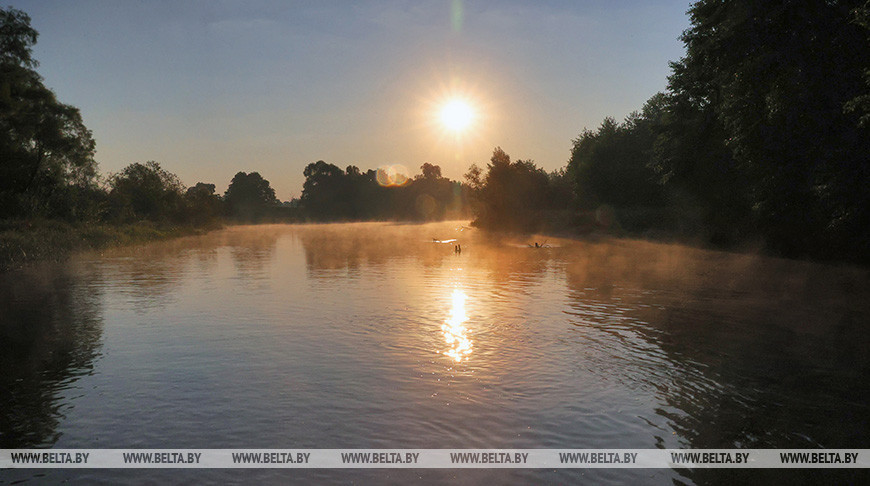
(24, 243)
(739, 152)
(27, 242)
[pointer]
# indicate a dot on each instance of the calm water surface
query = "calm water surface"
(374, 336)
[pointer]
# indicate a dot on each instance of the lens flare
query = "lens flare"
(392, 175)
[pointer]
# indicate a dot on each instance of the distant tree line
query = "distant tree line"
(47, 166)
(47, 169)
(763, 134)
(332, 194)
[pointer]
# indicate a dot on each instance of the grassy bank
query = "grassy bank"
(23, 242)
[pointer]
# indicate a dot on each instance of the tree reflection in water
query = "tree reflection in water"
(50, 331)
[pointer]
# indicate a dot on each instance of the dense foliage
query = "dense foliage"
(774, 79)
(332, 194)
(47, 163)
(513, 195)
(762, 133)
(249, 196)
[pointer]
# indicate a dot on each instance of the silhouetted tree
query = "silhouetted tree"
(429, 171)
(611, 165)
(429, 196)
(323, 192)
(249, 196)
(146, 191)
(203, 204)
(46, 152)
(561, 194)
(332, 194)
(511, 196)
(769, 81)
(17, 38)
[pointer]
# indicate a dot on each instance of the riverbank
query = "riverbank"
(657, 225)
(23, 242)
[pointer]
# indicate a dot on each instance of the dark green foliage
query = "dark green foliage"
(698, 172)
(46, 152)
(146, 192)
(561, 189)
(763, 132)
(203, 204)
(249, 196)
(16, 38)
(611, 165)
(615, 184)
(770, 81)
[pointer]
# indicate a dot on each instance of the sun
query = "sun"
(457, 115)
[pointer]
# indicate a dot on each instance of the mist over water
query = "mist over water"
(375, 335)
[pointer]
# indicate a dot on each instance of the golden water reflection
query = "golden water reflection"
(455, 333)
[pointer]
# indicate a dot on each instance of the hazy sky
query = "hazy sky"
(209, 88)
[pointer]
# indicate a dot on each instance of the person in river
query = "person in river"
(457, 248)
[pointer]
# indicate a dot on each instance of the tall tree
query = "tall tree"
(512, 195)
(323, 194)
(17, 38)
(430, 171)
(249, 196)
(146, 191)
(611, 165)
(203, 203)
(770, 80)
(44, 144)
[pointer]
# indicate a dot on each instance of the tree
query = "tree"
(771, 80)
(512, 195)
(249, 196)
(323, 191)
(612, 165)
(432, 196)
(146, 191)
(429, 171)
(203, 204)
(17, 38)
(860, 105)
(44, 144)
(561, 189)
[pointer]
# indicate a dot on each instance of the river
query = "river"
(378, 335)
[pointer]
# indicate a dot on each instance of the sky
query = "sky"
(211, 88)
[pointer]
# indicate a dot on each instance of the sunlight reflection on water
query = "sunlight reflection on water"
(373, 336)
(455, 332)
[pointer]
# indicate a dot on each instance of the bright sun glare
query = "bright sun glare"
(457, 115)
